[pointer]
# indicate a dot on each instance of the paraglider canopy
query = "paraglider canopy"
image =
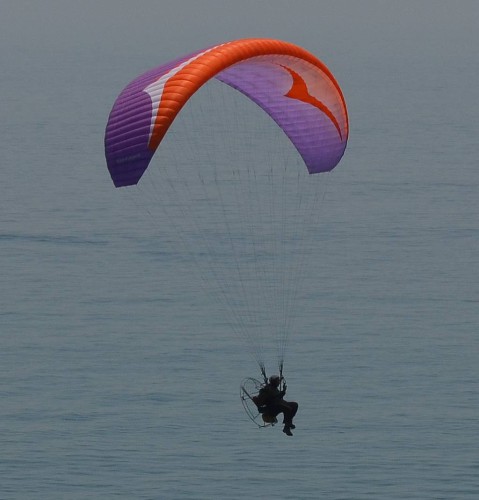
(294, 87)
(238, 197)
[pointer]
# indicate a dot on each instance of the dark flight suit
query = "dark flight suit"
(271, 399)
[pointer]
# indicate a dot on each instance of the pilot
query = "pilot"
(270, 401)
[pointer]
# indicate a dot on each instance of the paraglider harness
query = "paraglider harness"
(250, 394)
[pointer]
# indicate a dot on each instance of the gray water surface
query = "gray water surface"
(119, 379)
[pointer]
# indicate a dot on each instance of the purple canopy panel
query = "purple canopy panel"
(266, 81)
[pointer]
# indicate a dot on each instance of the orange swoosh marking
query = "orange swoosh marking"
(180, 87)
(299, 90)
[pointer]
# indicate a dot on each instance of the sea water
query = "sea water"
(120, 380)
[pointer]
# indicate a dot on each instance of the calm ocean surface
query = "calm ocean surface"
(119, 380)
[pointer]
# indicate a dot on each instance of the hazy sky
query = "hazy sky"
(71, 58)
(176, 26)
(361, 41)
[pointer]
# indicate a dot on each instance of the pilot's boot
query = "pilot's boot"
(287, 430)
